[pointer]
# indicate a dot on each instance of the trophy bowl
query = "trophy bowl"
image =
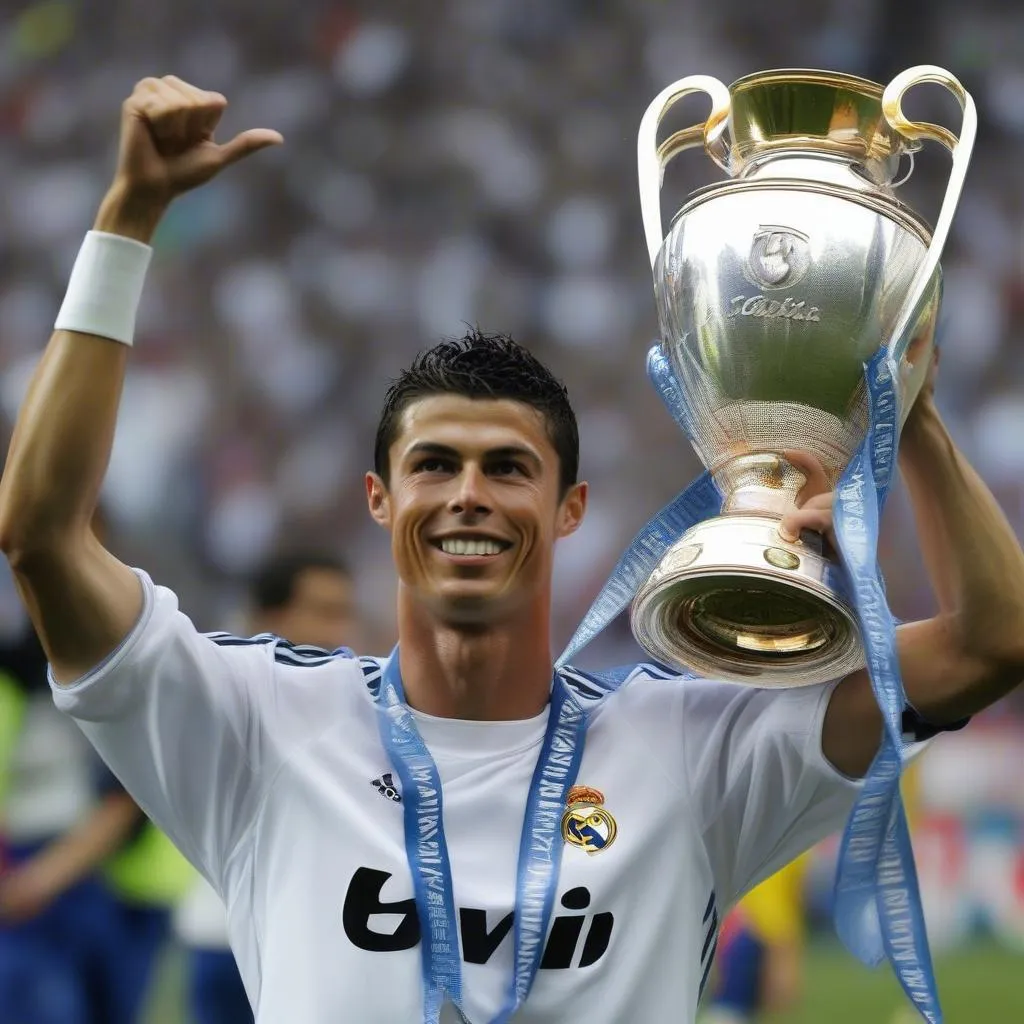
(774, 288)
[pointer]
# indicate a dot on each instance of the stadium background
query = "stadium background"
(474, 161)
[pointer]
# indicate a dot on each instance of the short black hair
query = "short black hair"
(273, 585)
(485, 366)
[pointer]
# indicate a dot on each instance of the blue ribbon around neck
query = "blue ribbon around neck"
(540, 845)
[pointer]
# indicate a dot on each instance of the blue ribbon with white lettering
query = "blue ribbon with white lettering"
(878, 906)
(699, 501)
(662, 376)
(425, 844)
(540, 847)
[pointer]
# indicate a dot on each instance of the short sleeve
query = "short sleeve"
(762, 788)
(173, 714)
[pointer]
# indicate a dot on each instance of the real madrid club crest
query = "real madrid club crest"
(586, 824)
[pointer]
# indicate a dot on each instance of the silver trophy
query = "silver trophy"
(773, 289)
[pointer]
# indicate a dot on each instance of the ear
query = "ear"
(378, 499)
(572, 510)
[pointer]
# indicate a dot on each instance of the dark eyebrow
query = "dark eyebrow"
(513, 451)
(443, 451)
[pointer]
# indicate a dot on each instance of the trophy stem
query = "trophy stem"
(758, 483)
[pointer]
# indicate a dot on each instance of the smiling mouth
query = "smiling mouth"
(476, 547)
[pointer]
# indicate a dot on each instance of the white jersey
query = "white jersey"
(265, 765)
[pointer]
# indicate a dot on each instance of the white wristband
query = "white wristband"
(105, 287)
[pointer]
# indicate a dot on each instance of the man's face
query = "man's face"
(321, 611)
(473, 506)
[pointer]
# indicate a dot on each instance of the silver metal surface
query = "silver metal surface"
(733, 600)
(773, 289)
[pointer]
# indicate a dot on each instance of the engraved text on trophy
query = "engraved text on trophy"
(760, 305)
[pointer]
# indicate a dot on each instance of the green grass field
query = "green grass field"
(983, 985)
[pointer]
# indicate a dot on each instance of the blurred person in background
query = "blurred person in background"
(307, 598)
(88, 881)
(760, 960)
(148, 878)
(57, 917)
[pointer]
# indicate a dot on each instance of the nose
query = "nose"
(471, 492)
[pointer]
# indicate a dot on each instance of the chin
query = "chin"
(472, 606)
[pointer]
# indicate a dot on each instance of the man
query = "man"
(309, 790)
(308, 598)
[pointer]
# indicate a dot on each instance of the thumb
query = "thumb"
(246, 143)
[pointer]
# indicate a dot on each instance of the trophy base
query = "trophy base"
(732, 600)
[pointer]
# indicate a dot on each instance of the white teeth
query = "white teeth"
(458, 546)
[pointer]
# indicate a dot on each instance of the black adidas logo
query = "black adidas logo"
(385, 785)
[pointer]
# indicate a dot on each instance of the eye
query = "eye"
(434, 464)
(507, 467)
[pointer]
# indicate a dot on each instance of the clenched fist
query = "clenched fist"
(167, 147)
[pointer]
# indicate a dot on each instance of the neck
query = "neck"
(480, 673)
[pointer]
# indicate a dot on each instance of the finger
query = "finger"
(181, 116)
(134, 107)
(167, 108)
(208, 114)
(815, 480)
(201, 110)
(246, 143)
(205, 108)
(185, 100)
(167, 125)
(797, 520)
(193, 94)
(820, 501)
(815, 510)
(143, 87)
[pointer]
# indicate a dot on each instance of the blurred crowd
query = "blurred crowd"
(463, 161)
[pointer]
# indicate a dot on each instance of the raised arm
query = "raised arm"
(972, 653)
(932, 538)
(82, 600)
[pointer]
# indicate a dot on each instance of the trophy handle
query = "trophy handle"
(652, 159)
(960, 148)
